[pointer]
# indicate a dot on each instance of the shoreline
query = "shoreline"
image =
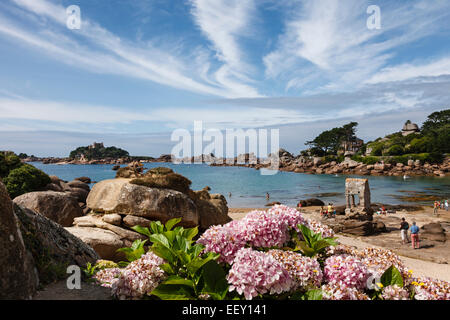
(295, 165)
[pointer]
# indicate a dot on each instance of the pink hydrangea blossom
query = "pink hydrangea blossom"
(431, 289)
(346, 269)
(304, 271)
(107, 277)
(338, 290)
(394, 293)
(254, 273)
(139, 277)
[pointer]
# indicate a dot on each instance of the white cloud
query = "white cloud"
(223, 22)
(408, 71)
(329, 38)
(107, 53)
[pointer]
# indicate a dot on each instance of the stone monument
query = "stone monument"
(357, 187)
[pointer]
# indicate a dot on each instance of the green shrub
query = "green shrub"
(395, 150)
(8, 161)
(377, 149)
(24, 179)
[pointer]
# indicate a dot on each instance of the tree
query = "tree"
(329, 141)
(436, 120)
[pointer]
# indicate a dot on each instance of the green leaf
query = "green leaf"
(142, 230)
(392, 277)
(190, 233)
(156, 227)
(179, 281)
(163, 252)
(197, 263)
(171, 223)
(305, 249)
(160, 238)
(172, 292)
(216, 284)
(314, 294)
(167, 268)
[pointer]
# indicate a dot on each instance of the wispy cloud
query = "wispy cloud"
(329, 39)
(104, 52)
(223, 22)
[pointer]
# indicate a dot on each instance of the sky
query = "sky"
(135, 71)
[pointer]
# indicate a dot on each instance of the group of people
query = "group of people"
(443, 204)
(414, 229)
(329, 212)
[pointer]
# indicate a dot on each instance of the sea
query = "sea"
(247, 187)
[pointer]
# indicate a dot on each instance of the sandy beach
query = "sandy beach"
(430, 260)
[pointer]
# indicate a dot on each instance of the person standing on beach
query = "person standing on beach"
(436, 206)
(404, 226)
(267, 196)
(446, 205)
(415, 235)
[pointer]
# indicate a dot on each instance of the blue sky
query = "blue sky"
(137, 70)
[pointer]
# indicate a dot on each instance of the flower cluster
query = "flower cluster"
(106, 277)
(317, 227)
(255, 272)
(224, 240)
(340, 249)
(305, 271)
(137, 279)
(431, 289)
(378, 260)
(258, 229)
(337, 290)
(347, 270)
(394, 293)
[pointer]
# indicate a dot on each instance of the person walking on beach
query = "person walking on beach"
(414, 235)
(404, 226)
(446, 205)
(436, 207)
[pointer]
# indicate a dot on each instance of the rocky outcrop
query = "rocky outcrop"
(59, 207)
(311, 202)
(120, 196)
(52, 247)
(433, 231)
(104, 242)
(18, 277)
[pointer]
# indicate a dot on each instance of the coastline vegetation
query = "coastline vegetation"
(19, 177)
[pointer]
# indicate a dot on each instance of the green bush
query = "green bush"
(395, 150)
(366, 160)
(24, 179)
(8, 161)
(377, 149)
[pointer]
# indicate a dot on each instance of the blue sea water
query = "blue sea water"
(248, 187)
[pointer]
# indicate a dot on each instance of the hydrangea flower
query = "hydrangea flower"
(338, 290)
(139, 277)
(394, 293)
(378, 260)
(431, 289)
(305, 271)
(106, 277)
(290, 216)
(346, 269)
(255, 272)
(226, 240)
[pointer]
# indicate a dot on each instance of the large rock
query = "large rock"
(433, 231)
(57, 206)
(132, 221)
(104, 242)
(52, 247)
(358, 228)
(312, 202)
(18, 278)
(120, 196)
